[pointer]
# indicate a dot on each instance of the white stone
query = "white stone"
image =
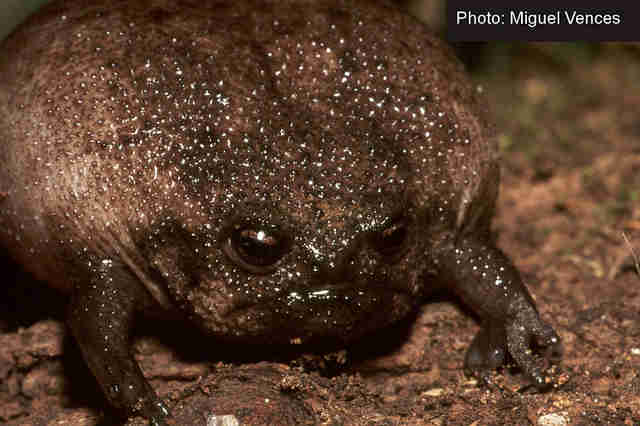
(553, 419)
(225, 420)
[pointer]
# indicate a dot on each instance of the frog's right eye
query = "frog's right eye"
(392, 239)
(256, 249)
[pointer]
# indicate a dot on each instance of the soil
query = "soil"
(569, 215)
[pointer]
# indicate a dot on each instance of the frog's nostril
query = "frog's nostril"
(340, 266)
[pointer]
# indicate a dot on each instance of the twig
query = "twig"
(633, 253)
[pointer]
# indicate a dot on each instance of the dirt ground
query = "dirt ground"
(568, 128)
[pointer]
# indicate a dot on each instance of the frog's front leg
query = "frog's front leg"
(486, 281)
(101, 316)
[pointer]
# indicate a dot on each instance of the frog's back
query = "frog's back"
(113, 114)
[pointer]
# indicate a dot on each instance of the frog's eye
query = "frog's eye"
(391, 239)
(256, 249)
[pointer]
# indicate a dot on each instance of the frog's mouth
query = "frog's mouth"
(330, 311)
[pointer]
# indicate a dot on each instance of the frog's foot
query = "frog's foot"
(526, 333)
(521, 338)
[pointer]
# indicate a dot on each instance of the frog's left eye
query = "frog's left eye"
(256, 249)
(391, 239)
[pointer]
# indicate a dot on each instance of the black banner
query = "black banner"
(543, 20)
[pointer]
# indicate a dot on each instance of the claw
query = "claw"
(550, 341)
(157, 414)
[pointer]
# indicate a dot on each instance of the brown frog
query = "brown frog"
(276, 171)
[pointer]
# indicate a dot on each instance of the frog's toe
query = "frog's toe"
(525, 336)
(487, 352)
(548, 338)
(157, 413)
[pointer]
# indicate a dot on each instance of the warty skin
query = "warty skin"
(275, 171)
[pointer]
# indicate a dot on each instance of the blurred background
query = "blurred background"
(13, 12)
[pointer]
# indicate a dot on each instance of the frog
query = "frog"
(273, 172)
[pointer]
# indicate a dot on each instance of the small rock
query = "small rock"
(553, 419)
(434, 392)
(226, 420)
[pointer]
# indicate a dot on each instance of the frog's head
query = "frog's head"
(300, 170)
(302, 233)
